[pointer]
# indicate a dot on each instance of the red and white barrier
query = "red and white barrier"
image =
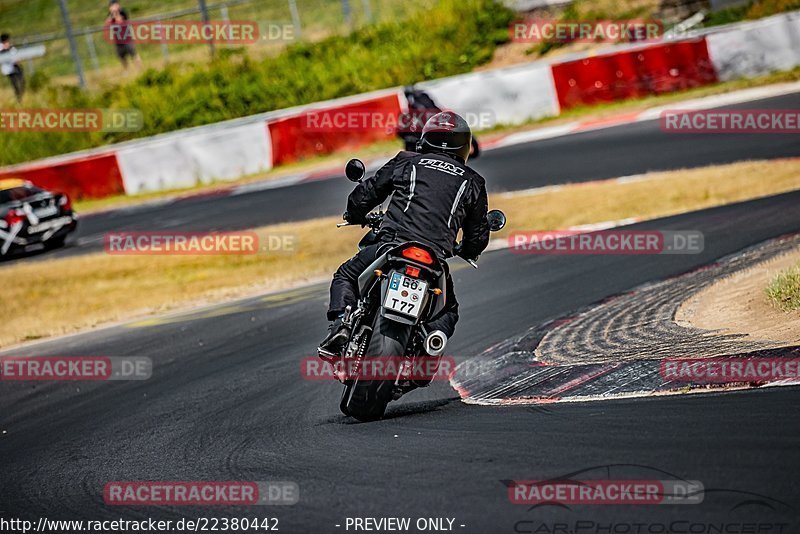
(757, 48)
(322, 128)
(201, 156)
(655, 69)
(86, 175)
(513, 95)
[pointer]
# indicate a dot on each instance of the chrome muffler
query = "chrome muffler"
(435, 343)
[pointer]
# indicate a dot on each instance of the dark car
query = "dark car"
(32, 218)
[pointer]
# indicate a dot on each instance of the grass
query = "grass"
(783, 291)
(464, 34)
(26, 19)
(43, 16)
(657, 194)
(750, 11)
(99, 288)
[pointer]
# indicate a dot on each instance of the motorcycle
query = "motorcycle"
(399, 293)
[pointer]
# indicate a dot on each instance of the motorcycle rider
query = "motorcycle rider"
(433, 195)
(421, 108)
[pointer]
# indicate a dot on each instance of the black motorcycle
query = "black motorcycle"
(399, 293)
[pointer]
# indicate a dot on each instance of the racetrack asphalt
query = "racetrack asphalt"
(226, 401)
(606, 153)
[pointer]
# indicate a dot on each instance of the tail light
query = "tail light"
(14, 216)
(418, 254)
(65, 202)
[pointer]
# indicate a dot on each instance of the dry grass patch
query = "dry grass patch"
(737, 304)
(657, 194)
(71, 294)
(66, 295)
(784, 290)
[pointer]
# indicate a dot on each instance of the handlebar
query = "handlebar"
(373, 220)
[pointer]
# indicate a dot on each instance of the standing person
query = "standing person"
(13, 71)
(118, 16)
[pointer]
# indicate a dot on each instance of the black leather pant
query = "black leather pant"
(17, 79)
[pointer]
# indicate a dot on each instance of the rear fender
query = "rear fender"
(392, 259)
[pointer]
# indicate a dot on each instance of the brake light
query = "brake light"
(65, 202)
(418, 254)
(14, 216)
(412, 271)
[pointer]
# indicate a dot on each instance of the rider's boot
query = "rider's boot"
(336, 340)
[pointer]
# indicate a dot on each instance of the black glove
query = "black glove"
(354, 219)
(458, 250)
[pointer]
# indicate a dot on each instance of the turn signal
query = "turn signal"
(437, 291)
(378, 273)
(418, 254)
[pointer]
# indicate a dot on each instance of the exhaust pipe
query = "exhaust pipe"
(435, 343)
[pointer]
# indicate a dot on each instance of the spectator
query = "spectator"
(12, 70)
(117, 16)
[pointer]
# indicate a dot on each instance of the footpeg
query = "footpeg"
(327, 355)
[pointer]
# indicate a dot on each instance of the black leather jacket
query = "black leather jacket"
(433, 196)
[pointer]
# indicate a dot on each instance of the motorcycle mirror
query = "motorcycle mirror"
(355, 170)
(497, 220)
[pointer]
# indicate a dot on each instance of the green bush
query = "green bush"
(453, 38)
(751, 11)
(38, 81)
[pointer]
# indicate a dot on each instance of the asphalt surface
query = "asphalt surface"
(226, 402)
(611, 152)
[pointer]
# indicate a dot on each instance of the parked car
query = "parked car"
(32, 218)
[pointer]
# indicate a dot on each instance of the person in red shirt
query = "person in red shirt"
(117, 16)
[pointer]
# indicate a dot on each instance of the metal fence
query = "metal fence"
(94, 57)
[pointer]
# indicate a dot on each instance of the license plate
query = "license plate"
(405, 294)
